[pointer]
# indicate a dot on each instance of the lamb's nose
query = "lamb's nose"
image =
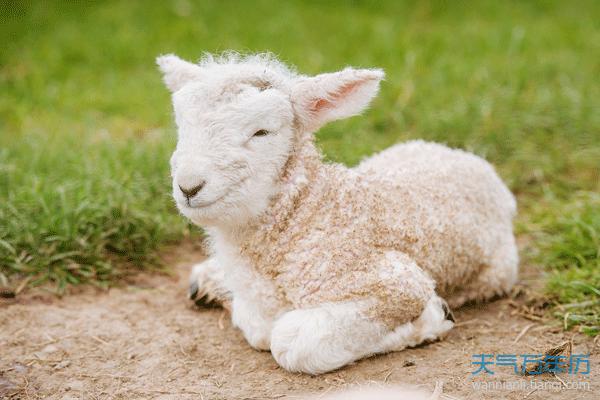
(191, 192)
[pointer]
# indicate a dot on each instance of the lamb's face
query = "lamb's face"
(233, 141)
(237, 120)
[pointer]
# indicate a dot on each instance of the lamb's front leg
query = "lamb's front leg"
(253, 321)
(326, 338)
(207, 285)
(398, 309)
(255, 306)
(249, 297)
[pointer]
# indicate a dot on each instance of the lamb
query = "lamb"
(319, 263)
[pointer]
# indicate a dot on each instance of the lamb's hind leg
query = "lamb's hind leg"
(433, 323)
(206, 285)
(496, 279)
(400, 310)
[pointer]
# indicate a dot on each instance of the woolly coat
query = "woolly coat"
(412, 218)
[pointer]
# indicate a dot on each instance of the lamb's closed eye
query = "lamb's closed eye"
(261, 132)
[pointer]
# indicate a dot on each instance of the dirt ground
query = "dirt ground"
(145, 340)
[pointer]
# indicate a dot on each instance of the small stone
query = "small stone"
(19, 368)
(76, 385)
(45, 352)
(49, 349)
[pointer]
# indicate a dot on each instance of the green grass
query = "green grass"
(77, 211)
(86, 130)
(568, 245)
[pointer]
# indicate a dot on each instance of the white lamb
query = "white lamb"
(319, 263)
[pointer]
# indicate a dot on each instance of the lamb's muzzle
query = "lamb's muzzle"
(319, 263)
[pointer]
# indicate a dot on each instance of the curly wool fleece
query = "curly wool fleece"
(445, 213)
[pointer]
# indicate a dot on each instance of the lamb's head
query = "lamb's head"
(240, 119)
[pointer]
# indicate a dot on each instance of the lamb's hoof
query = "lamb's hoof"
(448, 312)
(193, 291)
(204, 301)
(207, 302)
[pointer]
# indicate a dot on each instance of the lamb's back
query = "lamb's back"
(446, 208)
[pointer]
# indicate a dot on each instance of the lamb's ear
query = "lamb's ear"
(327, 97)
(177, 72)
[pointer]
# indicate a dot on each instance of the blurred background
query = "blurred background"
(86, 128)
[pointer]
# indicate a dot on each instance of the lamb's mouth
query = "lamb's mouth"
(211, 202)
(204, 204)
(200, 205)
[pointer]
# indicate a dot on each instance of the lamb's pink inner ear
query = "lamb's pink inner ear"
(326, 104)
(331, 96)
(320, 104)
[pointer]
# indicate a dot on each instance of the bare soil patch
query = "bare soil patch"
(145, 340)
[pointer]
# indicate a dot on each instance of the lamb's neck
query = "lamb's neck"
(298, 180)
